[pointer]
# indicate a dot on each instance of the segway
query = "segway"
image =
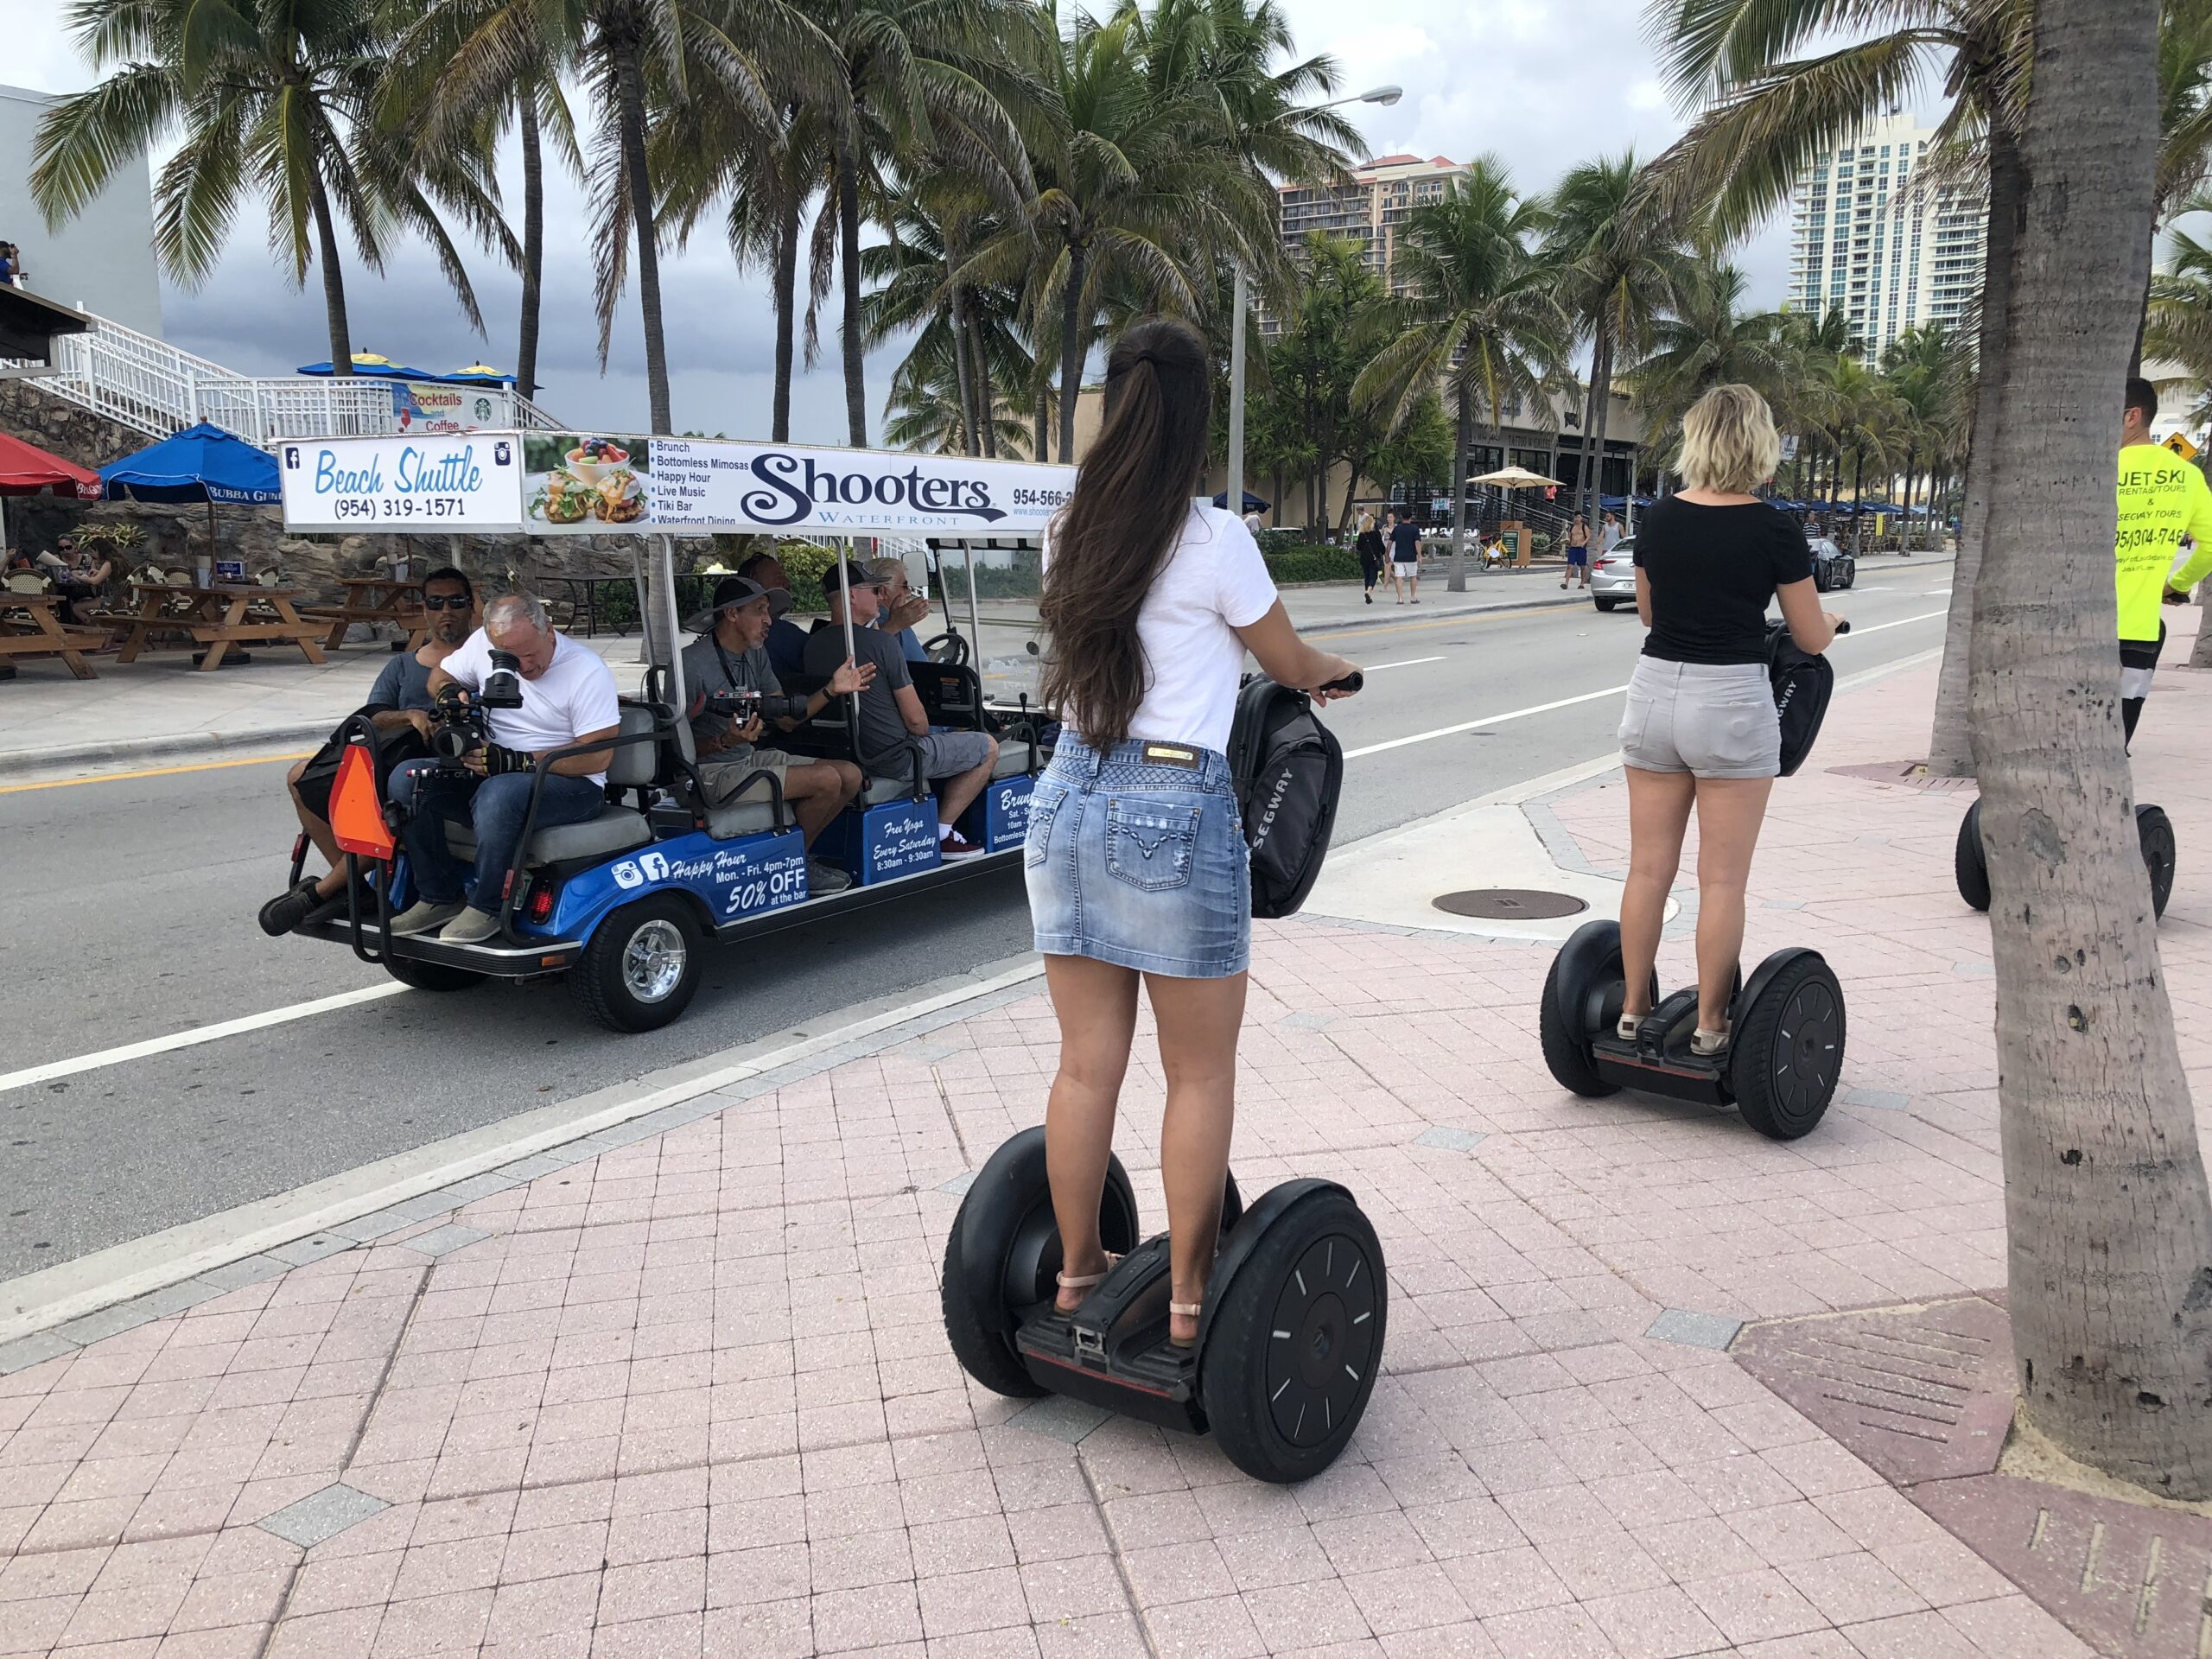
(1288, 1344)
(1786, 1024)
(2154, 832)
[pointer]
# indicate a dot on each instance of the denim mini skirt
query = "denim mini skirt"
(1136, 856)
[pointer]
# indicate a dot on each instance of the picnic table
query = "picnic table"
(29, 626)
(216, 618)
(373, 600)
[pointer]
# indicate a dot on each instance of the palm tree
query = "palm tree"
(645, 61)
(1924, 368)
(277, 105)
(1478, 313)
(459, 72)
(1705, 341)
(1618, 263)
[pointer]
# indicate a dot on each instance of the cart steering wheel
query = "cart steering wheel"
(949, 647)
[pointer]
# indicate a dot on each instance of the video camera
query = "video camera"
(460, 723)
(747, 706)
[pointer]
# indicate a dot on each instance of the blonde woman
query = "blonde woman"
(1701, 729)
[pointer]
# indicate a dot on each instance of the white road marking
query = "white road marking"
(46, 1073)
(1569, 702)
(1410, 662)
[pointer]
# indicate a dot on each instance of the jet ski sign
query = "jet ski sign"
(714, 484)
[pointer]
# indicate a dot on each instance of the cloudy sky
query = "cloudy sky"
(1539, 83)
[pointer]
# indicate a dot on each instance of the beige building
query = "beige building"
(1369, 210)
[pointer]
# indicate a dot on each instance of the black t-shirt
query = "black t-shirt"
(1711, 571)
(1405, 541)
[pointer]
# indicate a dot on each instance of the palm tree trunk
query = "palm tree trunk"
(1071, 333)
(333, 279)
(1044, 430)
(1464, 432)
(1858, 497)
(786, 303)
(2108, 1216)
(970, 444)
(986, 406)
(1601, 394)
(630, 100)
(1949, 752)
(533, 241)
(849, 259)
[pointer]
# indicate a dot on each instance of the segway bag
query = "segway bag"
(1288, 767)
(1802, 685)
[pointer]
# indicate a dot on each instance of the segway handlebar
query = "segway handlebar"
(1350, 683)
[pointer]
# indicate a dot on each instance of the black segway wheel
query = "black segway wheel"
(2156, 831)
(1291, 1351)
(1566, 1050)
(1970, 861)
(1788, 1050)
(1003, 1254)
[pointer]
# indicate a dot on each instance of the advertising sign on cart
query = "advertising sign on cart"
(579, 483)
(457, 481)
(716, 484)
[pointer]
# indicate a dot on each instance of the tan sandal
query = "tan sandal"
(1083, 1281)
(1186, 1311)
(1708, 1045)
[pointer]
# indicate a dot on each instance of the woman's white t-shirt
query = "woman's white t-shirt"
(1214, 582)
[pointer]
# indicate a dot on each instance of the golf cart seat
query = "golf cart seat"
(755, 815)
(1014, 757)
(616, 829)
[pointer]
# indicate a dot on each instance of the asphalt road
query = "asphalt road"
(131, 902)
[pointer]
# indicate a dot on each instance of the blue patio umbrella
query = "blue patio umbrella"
(372, 363)
(476, 374)
(201, 463)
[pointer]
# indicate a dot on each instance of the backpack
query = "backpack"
(1287, 768)
(1802, 685)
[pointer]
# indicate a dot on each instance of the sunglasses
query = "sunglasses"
(446, 601)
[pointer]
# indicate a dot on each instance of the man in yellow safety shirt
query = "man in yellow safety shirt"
(2162, 498)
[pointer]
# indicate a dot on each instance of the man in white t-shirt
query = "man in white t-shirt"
(568, 698)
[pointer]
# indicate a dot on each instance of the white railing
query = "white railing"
(152, 386)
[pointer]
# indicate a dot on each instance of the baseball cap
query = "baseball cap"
(856, 575)
(737, 590)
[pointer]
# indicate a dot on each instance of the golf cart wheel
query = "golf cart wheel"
(1567, 1047)
(1003, 1254)
(642, 966)
(1606, 604)
(1970, 861)
(1788, 1050)
(430, 975)
(1292, 1352)
(2156, 831)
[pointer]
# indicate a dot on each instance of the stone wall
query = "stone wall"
(175, 536)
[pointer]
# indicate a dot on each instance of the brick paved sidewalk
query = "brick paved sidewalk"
(691, 1396)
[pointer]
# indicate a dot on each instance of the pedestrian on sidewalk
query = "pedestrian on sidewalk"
(1578, 553)
(1370, 547)
(1700, 726)
(1151, 601)
(1405, 557)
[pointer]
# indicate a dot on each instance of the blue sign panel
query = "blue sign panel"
(1000, 817)
(879, 842)
(734, 879)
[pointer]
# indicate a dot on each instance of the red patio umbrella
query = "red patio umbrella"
(25, 469)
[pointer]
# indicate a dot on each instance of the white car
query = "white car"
(1612, 576)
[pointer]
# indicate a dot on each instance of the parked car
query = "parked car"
(1612, 576)
(1832, 566)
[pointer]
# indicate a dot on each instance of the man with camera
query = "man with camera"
(399, 707)
(736, 695)
(515, 690)
(892, 721)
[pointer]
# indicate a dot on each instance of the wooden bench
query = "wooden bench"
(30, 626)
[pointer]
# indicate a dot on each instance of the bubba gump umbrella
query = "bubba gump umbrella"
(201, 463)
(25, 469)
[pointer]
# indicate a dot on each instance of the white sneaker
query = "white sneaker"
(470, 927)
(424, 918)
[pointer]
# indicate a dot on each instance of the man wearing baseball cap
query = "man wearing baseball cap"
(729, 656)
(891, 718)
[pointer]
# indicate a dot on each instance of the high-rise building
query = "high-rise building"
(1878, 238)
(1367, 210)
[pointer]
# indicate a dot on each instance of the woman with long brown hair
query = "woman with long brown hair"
(1137, 865)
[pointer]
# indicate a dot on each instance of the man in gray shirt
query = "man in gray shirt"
(730, 656)
(893, 722)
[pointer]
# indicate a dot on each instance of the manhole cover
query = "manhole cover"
(1510, 904)
(1920, 1393)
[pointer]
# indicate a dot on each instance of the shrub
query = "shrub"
(1302, 563)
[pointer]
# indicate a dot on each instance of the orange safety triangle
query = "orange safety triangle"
(356, 815)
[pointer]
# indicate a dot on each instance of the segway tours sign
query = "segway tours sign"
(501, 480)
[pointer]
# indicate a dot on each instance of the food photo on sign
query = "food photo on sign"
(580, 481)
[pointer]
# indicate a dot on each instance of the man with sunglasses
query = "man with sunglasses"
(399, 706)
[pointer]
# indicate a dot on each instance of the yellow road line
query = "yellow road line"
(153, 772)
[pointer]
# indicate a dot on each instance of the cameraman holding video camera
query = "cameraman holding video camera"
(736, 695)
(494, 718)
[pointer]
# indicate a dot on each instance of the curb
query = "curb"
(182, 748)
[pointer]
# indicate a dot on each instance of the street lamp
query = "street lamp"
(1235, 495)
